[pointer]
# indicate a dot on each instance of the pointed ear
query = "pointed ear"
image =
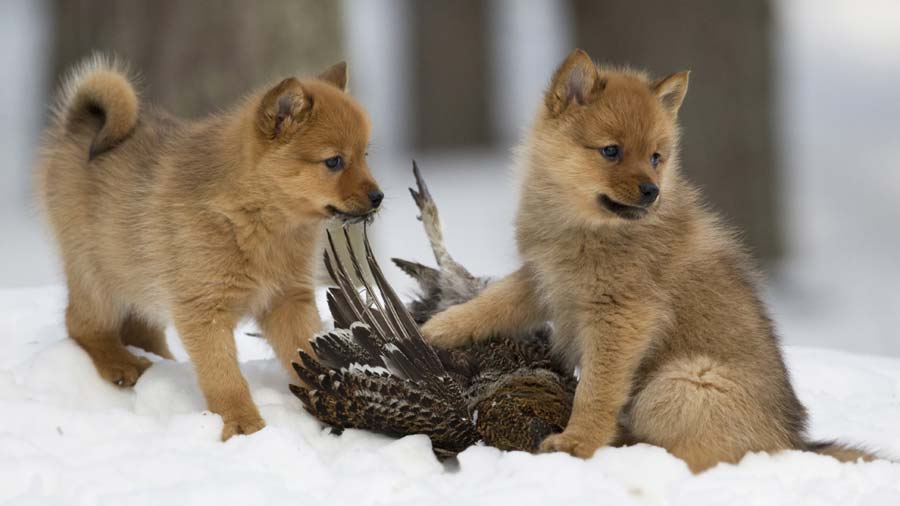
(576, 81)
(283, 109)
(337, 75)
(671, 90)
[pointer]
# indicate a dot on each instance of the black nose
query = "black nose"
(375, 197)
(649, 192)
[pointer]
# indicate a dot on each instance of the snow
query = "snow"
(68, 437)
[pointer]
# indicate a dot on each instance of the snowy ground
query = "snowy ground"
(67, 437)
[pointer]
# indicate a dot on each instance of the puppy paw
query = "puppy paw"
(572, 443)
(245, 425)
(121, 369)
(445, 331)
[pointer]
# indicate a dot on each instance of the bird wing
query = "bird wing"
(375, 371)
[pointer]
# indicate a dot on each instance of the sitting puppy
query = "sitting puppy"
(649, 293)
(199, 222)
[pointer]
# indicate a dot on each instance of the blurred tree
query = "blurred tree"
(450, 73)
(727, 119)
(197, 57)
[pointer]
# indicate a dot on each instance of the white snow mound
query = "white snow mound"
(68, 437)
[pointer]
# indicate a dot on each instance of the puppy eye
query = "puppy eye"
(610, 152)
(655, 158)
(335, 163)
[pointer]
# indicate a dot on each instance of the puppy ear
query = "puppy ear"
(671, 90)
(576, 81)
(283, 109)
(337, 75)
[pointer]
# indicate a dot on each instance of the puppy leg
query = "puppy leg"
(290, 323)
(208, 337)
(507, 306)
(612, 339)
(703, 412)
(136, 331)
(94, 324)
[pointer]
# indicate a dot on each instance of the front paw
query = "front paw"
(573, 443)
(240, 416)
(121, 367)
(245, 425)
(444, 330)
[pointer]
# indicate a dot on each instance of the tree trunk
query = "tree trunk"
(198, 57)
(449, 51)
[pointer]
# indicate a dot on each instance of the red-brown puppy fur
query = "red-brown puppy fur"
(200, 223)
(648, 292)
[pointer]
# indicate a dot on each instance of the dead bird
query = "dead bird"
(374, 371)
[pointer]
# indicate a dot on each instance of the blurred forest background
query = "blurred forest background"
(791, 124)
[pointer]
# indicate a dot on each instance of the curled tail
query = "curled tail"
(98, 98)
(841, 452)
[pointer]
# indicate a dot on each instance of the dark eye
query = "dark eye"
(610, 152)
(335, 163)
(655, 158)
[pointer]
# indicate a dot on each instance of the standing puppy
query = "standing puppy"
(199, 222)
(649, 293)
